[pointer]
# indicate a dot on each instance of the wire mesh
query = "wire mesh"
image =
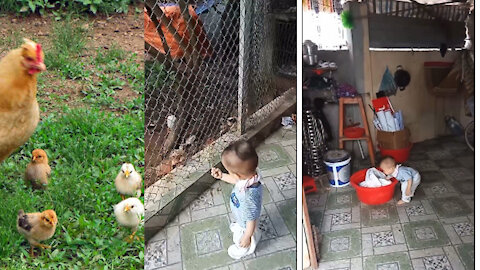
(209, 66)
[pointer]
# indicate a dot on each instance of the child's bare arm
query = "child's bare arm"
(218, 174)
(409, 187)
(247, 235)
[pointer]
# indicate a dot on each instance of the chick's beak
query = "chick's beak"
(127, 208)
(127, 173)
(34, 158)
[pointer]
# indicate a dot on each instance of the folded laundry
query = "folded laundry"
(375, 178)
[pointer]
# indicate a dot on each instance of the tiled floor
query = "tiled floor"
(434, 231)
(199, 236)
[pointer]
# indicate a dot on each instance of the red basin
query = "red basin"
(372, 196)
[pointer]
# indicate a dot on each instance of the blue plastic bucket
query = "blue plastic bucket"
(338, 167)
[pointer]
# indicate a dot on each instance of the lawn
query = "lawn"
(92, 120)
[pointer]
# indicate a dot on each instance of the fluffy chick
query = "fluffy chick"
(129, 213)
(128, 181)
(38, 171)
(37, 227)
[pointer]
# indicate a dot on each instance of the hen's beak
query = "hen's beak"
(127, 173)
(127, 208)
(34, 158)
(41, 66)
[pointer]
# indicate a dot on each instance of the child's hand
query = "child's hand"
(245, 241)
(216, 173)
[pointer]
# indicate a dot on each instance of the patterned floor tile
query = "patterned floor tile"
(465, 187)
(316, 217)
(205, 200)
(463, 228)
(439, 155)
(208, 242)
(341, 218)
(286, 181)
(288, 211)
(285, 260)
(437, 262)
(423, 234)
(457, 174)
(205, 242)
(447, 163)
(272, 156)
(376, 215)
(383, 239)
(156, 254)
(397, 261)
(340, 245)
(342, 200)
(415, 210)
(451, 207)
(467, 255)
(432, 177)
(265, 225)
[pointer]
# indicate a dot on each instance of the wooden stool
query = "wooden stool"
(341, 138)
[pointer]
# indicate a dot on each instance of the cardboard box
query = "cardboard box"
(393, 140)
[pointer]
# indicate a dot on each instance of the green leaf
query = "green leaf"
(93, 9)
(32, 6)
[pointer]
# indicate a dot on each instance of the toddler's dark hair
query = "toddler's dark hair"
(244, 151)
(385, 158)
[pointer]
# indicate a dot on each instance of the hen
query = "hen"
(19, 111)
(38, 171)
(129, 213)
(128, 181)
(37, 227)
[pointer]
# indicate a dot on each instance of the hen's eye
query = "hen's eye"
(29, 58)
(133, 206)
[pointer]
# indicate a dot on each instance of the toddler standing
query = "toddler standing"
(241, 160)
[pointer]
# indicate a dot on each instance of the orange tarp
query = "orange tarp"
(174, 16)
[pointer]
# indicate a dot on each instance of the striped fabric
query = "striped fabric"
(246, 206)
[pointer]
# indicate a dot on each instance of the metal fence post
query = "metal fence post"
(244, 40)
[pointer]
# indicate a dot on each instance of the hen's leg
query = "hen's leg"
(31, 251)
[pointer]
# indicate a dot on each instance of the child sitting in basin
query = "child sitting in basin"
(241, 160)
(409, 178)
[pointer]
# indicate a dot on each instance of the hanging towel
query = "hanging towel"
(375, 178)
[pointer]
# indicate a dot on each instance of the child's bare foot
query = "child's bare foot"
(400, 202)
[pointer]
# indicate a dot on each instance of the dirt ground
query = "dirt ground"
(122, 30)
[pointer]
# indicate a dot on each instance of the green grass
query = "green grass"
(26, 7)
(87, 137)
(86, 148)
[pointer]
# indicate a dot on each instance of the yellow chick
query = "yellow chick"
(128, 181)
(37, 227)
(129, 213)
(38, 171)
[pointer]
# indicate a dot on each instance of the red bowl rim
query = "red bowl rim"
(356, 186)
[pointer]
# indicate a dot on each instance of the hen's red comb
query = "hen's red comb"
(39, 53)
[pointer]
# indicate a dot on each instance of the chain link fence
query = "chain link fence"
(214, 69)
